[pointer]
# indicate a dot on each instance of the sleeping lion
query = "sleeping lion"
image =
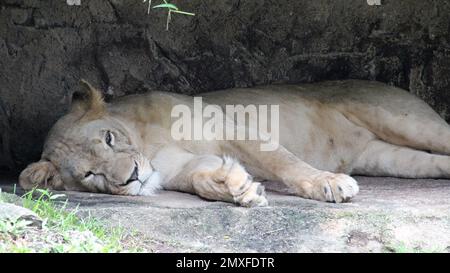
(328, 131)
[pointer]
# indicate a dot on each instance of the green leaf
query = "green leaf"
(43, 192)
(168, 5)
(56, 196)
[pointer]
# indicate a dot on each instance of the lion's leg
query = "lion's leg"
(384, 159)
(305, 180)
(403, 120)
(419, 133)
(223, 179)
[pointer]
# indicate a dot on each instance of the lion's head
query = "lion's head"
(90, 150)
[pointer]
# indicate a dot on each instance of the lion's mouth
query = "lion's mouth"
(134, 175)
(148, 178)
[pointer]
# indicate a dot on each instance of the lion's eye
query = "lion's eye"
(109, 138)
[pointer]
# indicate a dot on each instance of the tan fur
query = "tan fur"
(351, 127)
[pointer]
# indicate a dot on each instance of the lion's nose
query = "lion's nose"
(134, 176)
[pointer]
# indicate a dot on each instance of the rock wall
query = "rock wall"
(47, 46)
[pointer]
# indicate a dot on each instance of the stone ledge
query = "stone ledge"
(389, 214)
(14, 213)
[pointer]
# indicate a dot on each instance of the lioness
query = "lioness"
(328, 131)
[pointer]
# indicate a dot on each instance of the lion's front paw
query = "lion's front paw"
(333, 187)
(255, 196)
(243, 189)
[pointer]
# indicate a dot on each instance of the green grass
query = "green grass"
(62, 229)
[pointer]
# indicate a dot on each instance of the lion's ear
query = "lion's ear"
(41, 174)
(88, 101)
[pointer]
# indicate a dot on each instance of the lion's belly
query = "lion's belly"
(314, 132)
(322, 137)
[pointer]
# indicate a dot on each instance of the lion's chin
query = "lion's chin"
(151, 185)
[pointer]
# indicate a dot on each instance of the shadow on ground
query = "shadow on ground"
(388, 215)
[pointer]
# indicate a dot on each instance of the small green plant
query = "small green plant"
(63, 230)
(171, 8)
(95, 236)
